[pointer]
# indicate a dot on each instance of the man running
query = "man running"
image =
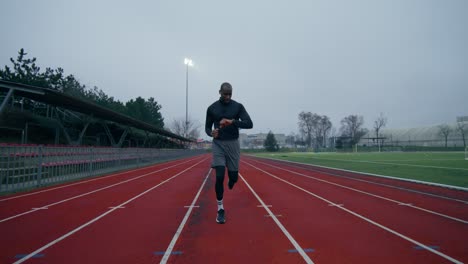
(227, 116)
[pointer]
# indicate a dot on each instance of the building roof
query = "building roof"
(69, 102)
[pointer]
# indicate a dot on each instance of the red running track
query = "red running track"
(278, 213)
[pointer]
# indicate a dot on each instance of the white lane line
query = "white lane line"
(374, 175)
(268, 205)
(88, 193)
(191, 206)
(169, 249)
(40, 208)
(99, 217)
(371, 194)
(338, 205)
(81, 182)
(278, 215)
(285, 232)
(117, 207)
(364, 218)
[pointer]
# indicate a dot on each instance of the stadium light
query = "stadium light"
(189, 63)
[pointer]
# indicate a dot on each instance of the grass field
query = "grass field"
(449, 168)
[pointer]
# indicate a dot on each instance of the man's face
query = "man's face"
(226, 94)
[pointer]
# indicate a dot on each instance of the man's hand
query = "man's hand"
(215, 133)
(225, 122)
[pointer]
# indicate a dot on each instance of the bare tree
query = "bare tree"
(444, 131)
(315, 128)
(306, 125)
(462, 128)
(351, 126)
(333, 134)
(189, 129)
(299, 140)
(380, 122)
(324, 126)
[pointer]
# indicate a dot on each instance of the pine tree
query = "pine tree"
(270, 143)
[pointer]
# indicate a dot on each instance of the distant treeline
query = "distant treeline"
(24, 70)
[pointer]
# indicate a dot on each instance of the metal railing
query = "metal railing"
(30, 166)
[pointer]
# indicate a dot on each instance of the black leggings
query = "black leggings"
(219, 187)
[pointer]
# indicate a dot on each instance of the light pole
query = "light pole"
(187, 62)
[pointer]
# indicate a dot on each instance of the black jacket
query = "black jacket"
(232, 110)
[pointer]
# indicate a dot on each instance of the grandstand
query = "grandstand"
(48, 137)
(59, 118)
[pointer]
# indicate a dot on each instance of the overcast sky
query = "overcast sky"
(405, 58)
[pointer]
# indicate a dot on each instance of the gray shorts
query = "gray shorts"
(226, 153)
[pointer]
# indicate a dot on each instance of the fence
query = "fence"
(30, 166)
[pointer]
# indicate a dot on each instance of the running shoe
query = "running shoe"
(220, 217)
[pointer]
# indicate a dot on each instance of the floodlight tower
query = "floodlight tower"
(188, 63)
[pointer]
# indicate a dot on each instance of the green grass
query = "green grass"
(449, 168)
